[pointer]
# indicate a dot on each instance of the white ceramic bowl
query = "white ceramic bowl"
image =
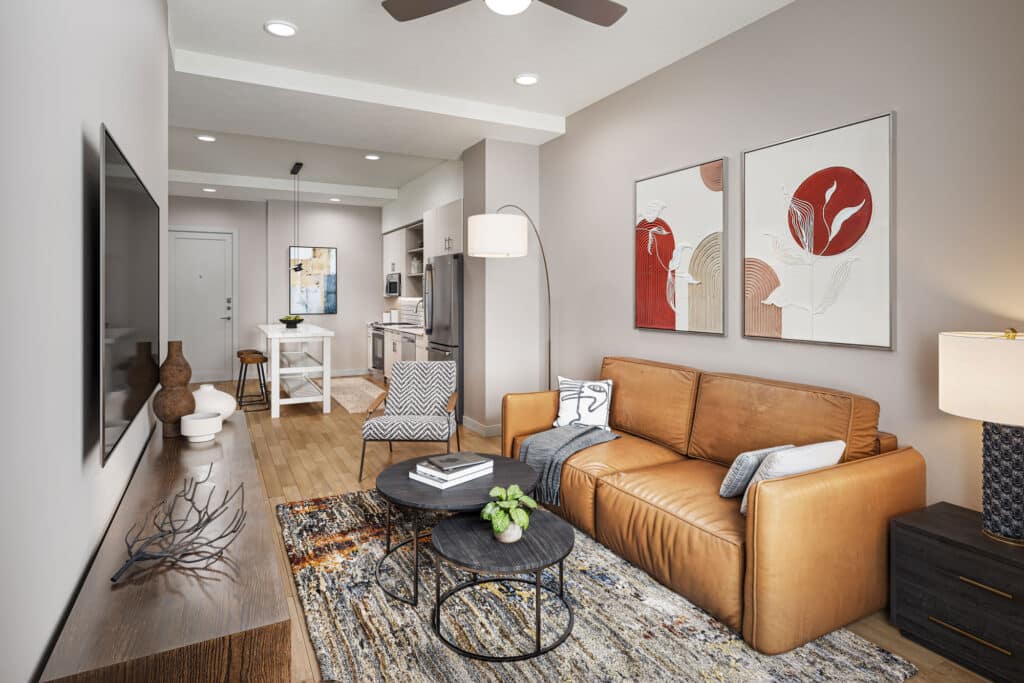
(211, 400)
(199, 427)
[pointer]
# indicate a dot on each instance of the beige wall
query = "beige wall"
(950, 69)
(474, 299)
(355, 231)
(66, 67)
(249, 221)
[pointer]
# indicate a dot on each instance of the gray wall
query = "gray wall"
(65, 68)
(952, 72)
(249, 220)
(355, 231)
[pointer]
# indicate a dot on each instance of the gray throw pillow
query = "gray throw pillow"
(795, 461)
(743, 469)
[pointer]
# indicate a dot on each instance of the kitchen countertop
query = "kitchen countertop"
(402, 327)
(303, 331)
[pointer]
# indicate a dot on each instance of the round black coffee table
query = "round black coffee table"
(467, 542)
(399, 490)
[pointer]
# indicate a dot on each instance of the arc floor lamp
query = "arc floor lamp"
(504, 235)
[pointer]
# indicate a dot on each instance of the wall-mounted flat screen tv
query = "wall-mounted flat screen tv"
(129, 294)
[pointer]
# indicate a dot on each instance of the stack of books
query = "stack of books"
(446, 471)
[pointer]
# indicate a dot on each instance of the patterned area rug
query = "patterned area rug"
(628, 627)
(354, 394)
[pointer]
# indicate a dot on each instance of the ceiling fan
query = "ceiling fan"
(600, 12)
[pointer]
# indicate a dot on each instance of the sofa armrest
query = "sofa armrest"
(818, 546)
(524, 414)
(886, 442)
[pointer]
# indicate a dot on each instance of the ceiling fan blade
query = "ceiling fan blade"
(600, 12)
(404, 10)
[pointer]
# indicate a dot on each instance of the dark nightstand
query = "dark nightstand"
(957, 592)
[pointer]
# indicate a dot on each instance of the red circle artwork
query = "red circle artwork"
(830, 211)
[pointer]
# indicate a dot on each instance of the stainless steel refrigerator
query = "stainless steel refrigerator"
(442, 313)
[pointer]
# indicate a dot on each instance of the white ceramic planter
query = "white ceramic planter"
(211, 400)
(510, 535)
(200, 427)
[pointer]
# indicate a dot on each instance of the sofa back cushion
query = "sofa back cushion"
(653, 400)
(735, 413)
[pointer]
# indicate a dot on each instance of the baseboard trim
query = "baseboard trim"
(483, 430)
(350, 372)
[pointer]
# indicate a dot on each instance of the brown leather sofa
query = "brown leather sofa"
(810, 556)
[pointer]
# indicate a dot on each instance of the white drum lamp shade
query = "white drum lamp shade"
(497, 235)
(980, 376)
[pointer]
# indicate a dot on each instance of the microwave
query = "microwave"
(393, 284)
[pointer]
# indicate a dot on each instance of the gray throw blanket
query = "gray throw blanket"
(547, 451)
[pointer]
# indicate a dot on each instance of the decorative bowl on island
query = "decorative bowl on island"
(291, 321)
(201, 427)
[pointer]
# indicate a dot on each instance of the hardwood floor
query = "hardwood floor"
(306, 454)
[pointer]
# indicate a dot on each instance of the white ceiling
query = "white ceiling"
(353, 79)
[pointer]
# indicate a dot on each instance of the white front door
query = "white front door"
(201, 301)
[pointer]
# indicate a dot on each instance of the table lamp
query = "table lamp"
(980, 377)
(498, 235)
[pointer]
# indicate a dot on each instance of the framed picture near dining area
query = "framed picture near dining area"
(312, 280)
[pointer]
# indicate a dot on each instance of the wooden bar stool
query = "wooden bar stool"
(247, 357)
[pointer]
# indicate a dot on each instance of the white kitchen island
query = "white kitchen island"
(290, 370)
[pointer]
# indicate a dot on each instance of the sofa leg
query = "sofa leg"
(362, 460)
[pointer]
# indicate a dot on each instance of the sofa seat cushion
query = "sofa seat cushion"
(581, 472)
(670, 520)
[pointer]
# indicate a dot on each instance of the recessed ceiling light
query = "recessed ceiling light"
(281, 29)
(372, 157)
(527, 79)
(209, 189)
(206, 138)
(335, 199)
(508, 7)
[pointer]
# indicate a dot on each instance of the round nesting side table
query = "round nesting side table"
(466, 541)
(400, 491)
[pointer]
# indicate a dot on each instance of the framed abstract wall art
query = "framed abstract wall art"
(679, 230)
(818, 236)
(312, 280)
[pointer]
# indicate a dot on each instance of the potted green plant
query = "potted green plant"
(508, 513)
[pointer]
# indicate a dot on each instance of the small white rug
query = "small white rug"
(354, 394)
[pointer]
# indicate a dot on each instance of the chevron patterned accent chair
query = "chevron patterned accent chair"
(419, 405)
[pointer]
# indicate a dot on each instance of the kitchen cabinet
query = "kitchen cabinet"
(443, 230)
(392, 350)
(421, 347)
(394, 253)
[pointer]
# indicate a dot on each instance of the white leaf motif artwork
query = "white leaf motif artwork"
(786, 254)
(843, 216)
(781, 297)
(840, 276)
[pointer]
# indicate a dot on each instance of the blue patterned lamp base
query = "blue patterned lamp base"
(1002, 498)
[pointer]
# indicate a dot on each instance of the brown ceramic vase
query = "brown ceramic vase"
(174, 400)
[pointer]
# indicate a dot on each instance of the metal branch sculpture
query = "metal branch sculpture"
(186, 527)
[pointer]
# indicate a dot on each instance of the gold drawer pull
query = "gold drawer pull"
(973, 637)
(990, 589)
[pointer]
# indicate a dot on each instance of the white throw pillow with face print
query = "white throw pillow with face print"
(583, 402)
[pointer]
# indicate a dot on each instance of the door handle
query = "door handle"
(225, 317)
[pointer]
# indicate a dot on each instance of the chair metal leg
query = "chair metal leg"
(362, 460)
(263, 382)
(240, 383)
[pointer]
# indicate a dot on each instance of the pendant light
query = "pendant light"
(296, 169)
